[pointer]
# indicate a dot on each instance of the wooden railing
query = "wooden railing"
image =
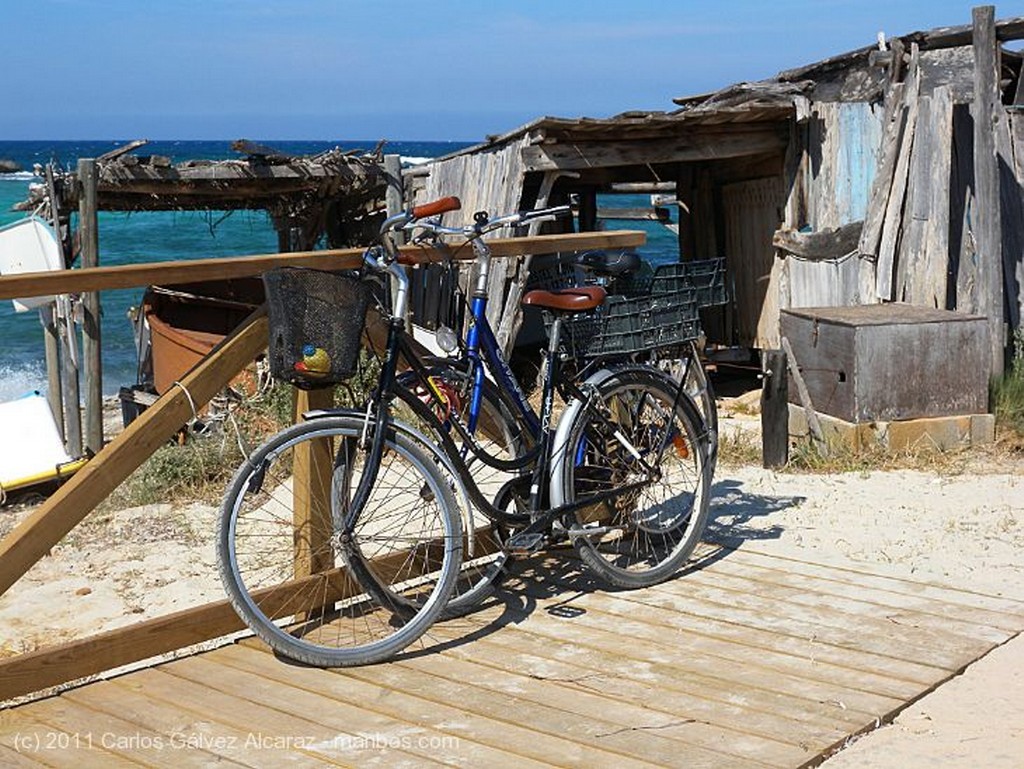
(70, 504)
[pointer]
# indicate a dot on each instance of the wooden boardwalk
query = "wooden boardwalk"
(751, 660)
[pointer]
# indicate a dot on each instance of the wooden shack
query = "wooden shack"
(889, 173)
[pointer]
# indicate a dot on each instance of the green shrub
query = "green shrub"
(1008, 391)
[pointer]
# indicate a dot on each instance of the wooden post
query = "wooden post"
(65, 330)
(987, 110)
(774, 409)
(312, 468)
(588, 209)
(69, 384)
(51, 345)
(91, 346)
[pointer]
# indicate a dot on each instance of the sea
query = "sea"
(130, 238)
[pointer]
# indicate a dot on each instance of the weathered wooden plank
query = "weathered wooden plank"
(893, 223)
(910, 256)
(330, 697)
(668, 689)
(847, 596)
(608, 718)
(574, 156)
(987, 111)
(938, 647)
(107, 737)
(91, 337)
(28, 742)
(461, 719)
(994, 611)
(881, 187)
(936, 245)
(559, 720)
(830, 243)
(172, 272)
(924, 251)
(225, 726)
(659, 634)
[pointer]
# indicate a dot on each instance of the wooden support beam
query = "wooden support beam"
(311, 488)
(987, 111)
(578, 156)
(774, 410)
(805, 396)
(91, 339)
(170, 273)
(34, 537)
(38, 670)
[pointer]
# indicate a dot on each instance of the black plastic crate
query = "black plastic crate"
(706, 276)
(316, 325)
(624, 326)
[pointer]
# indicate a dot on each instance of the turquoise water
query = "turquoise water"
(147, 237)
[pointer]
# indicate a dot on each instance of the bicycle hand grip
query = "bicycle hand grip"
(439, 206)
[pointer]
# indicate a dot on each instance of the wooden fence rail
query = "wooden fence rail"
(195, 270)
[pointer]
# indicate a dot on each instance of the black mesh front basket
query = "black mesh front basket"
(316, 323)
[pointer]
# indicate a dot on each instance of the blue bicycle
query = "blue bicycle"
(413, 507)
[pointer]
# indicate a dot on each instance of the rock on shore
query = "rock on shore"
(9, 166)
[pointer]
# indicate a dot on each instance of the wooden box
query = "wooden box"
(889, 361)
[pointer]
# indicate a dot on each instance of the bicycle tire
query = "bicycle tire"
(643, 537)
(408, 535)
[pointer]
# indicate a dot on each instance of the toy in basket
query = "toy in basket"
(316, 324)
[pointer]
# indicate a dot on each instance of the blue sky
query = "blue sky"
(434, 69)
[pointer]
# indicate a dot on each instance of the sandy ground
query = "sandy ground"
(963, 528)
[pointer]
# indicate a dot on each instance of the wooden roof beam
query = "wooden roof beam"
(583, 155)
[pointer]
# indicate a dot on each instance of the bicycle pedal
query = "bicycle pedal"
(526, 543)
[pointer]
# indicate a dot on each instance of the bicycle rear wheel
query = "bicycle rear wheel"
(500, 436)
(290, 569)
(642, 536)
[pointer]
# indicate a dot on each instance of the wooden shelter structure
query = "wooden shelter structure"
(889, 173)
(334, 196)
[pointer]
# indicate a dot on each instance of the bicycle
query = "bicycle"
(607, 470)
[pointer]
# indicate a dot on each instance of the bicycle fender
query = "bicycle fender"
(559, 445)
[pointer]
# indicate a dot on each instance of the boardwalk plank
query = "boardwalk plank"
(722, 667)
(995, 611)
(806, 624)
(454, 718)
(847, 596)
(620, 740)
(936, 646)
(104, 732)
(27, 742)
(304, 694)
(677, 628)
(688, 728)
(673, 689)
(188, 715)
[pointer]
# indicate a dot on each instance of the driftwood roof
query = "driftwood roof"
(262, 179)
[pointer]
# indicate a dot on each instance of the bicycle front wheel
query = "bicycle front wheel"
(289, 564)
(637, 449)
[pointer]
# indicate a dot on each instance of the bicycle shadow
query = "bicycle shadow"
(555, 581)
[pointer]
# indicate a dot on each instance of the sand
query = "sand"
(964, 529)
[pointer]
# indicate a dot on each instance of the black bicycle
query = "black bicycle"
(387, 516)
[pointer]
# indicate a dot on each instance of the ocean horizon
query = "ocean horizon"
(132, 238)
